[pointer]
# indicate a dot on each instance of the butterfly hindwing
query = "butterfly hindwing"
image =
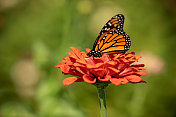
(114, 42)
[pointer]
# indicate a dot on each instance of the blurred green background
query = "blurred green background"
(36, 34)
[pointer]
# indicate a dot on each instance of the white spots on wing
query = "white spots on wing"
(115, 16)
(109, 23)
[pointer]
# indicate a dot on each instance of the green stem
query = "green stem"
(102, 99)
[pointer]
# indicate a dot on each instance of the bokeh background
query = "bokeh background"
(36, 34)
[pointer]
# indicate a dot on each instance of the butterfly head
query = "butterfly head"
(95, 53)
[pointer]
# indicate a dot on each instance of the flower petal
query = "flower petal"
(72, 55)
(84, 54)
(77, 64)
(137, 57)
(65, 68)
(88, 79)
(74, 72)
(82, 61)
(81, 70)
(106, 78)
(69, 80)
(99, 65)
(77, 52)
(122, 66)
(138, 65)
(129, 55)
(68, 61)
(115, 81)
(123, 80)
(118, 81)
(88, 50)
(127, 71)
(117, 56)
(89, 61)
(98, 72)
(111, 63)
(112, 70)
(79, 80)
(132, 53)
(125, 60)
(95, 66)
(57, 65)
(105, 58)
(133, 78)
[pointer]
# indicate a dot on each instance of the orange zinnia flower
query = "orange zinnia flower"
(117, 69)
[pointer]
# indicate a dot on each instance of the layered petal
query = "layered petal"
(115, 81)
(116, 69)
(69, 80)
(133, 78)
(106, 78)
(89, 79)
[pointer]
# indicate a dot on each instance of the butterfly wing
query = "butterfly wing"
(115, 23)
(112, 38)
(114, 42)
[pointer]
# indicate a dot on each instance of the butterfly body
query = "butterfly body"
(111, 39)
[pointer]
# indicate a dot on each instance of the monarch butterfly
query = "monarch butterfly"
(111, 39)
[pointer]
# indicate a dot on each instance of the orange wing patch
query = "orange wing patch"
(109, 35)
(106, 45)
(102, 36)
(120, 36)
(121, 43)
(115, 19)
(101, 44)
(112, 41)
(115, 35)
(115, 52)
(120, 40)
(96, 48)
(116, 22)
(113, 49)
